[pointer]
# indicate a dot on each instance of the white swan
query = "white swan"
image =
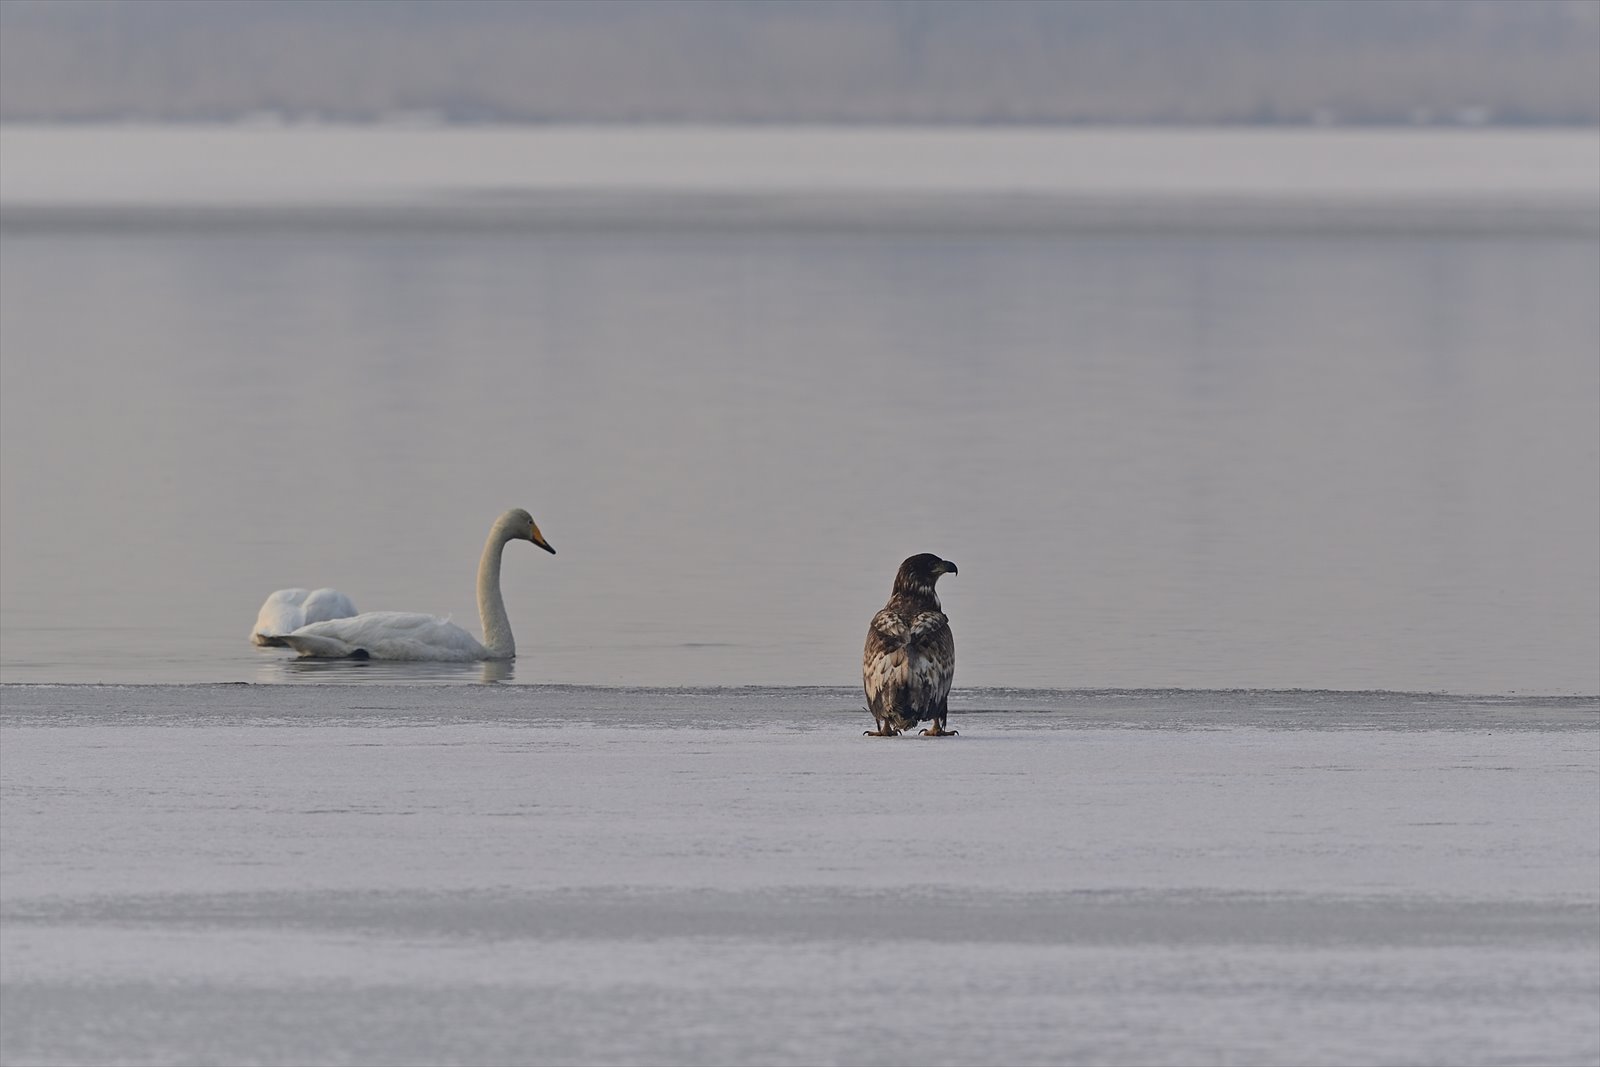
(413, 636)
(286, 610)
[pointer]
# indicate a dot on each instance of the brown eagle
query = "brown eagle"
(910, 656)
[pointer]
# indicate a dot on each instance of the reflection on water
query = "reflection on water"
(1200, 459)
(279, 668)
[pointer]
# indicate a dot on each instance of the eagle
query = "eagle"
(910, 656)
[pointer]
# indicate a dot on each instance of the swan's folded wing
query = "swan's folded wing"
(316, 645)
(395, 635)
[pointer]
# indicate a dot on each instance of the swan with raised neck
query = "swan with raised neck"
(514, 525)
(409, 635)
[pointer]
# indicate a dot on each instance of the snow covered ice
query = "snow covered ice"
(519, 874)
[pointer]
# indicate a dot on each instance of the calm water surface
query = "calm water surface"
(1296, 448)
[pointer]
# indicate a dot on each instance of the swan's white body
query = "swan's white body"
(286, 610)
(408, 635)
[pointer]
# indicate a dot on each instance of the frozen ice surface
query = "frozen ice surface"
(519, 874)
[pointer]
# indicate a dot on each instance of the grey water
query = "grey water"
(1310, 427)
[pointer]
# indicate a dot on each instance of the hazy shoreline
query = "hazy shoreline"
(332, 164)
(962, 179)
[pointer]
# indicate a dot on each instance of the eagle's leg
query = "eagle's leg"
(938, 730)
(884, 728)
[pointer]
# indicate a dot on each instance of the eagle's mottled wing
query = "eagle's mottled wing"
(908, 665)
(883, 662)
(931, 651)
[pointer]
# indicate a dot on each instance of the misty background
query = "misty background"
(959, 61)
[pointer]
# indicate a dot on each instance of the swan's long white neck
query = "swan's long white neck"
(491, 605)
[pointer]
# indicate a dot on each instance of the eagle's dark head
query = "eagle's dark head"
(918, 574)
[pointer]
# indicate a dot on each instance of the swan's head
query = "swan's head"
(520, 525)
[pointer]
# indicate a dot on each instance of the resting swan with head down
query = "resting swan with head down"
(286, 610)
(406, 635)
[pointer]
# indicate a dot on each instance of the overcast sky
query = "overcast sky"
(1353, 61)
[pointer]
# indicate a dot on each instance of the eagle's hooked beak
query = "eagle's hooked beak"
(946, 567)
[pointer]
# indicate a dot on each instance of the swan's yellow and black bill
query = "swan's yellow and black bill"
(538, 539)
